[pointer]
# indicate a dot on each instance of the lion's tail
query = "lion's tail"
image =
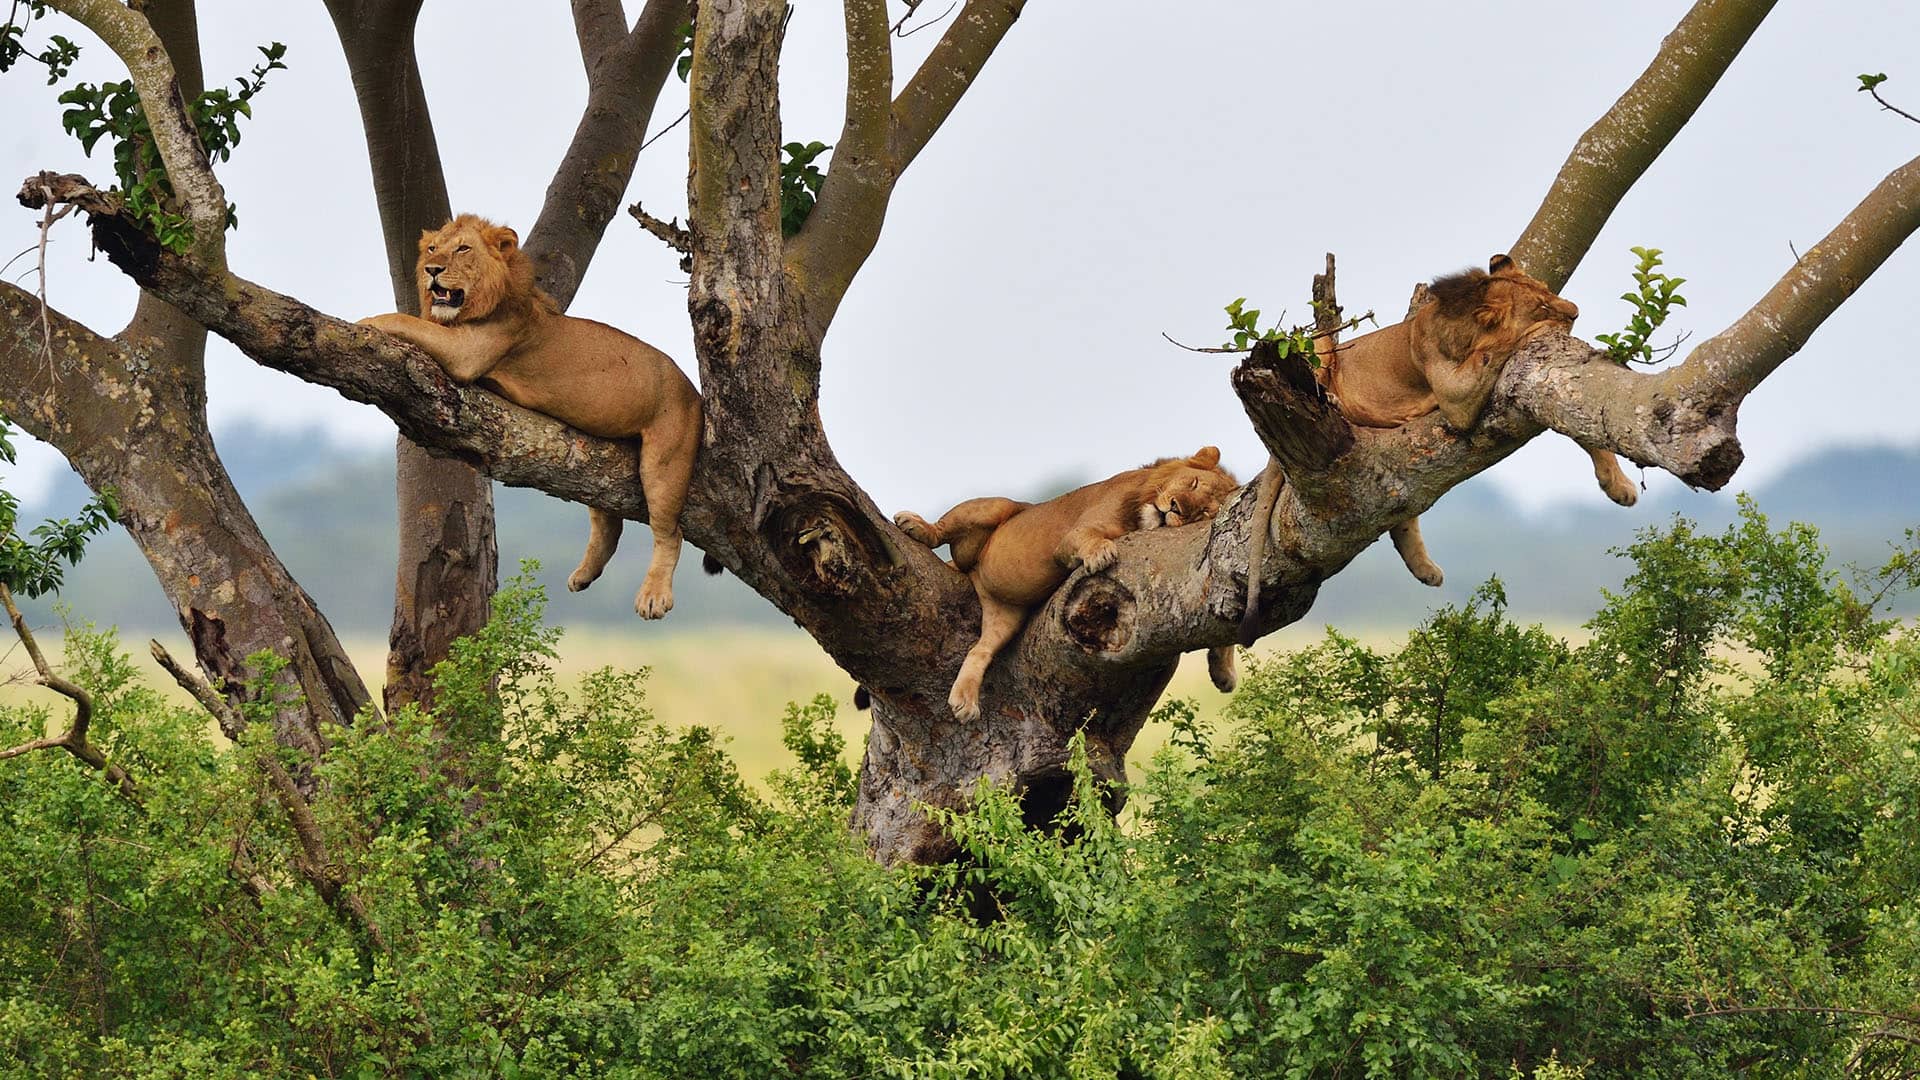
(1271, 479)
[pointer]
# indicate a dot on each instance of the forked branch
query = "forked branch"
(1622, 145)
(881, 138)
(73, 740)
(202, 201)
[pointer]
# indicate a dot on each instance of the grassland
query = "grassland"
(737, 682)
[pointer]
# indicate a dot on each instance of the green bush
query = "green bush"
(1684, 846)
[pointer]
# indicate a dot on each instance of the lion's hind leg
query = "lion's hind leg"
(603, 536)
(964, 529)
(1606, 469)
(666, 469)
(999, 622)
(1413, 551)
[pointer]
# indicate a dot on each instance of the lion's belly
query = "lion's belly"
(593, 377)
(1018, 565)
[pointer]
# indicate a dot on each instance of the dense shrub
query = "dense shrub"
(1683, 846)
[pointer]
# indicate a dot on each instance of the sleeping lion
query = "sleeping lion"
(488, 323)
(1445, 358)
(1018, 553)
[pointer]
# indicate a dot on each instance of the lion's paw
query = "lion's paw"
(581, 578)
(1098, 556)
(654, 601)
(915, 526)
(1223, 669)
(1621, 490)
(965, 701)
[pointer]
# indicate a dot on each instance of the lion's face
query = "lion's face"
(467, 267)
(1494, 312)
(1188, 490)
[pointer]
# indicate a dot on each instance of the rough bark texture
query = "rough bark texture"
(128, 423)
(772, 503)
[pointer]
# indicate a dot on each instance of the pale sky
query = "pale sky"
(1118, 170)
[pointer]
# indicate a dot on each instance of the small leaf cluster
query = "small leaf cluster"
(1653, 298)
(1243, 323)
(113, 110)
(37, 563)
(683, 67)
(800, 181)
(57, 57)
(1870, 83)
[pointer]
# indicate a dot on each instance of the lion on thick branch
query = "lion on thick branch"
(488, 323)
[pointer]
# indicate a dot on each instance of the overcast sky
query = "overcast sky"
(1119, 169)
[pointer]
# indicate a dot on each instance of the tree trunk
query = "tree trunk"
(449, 558)
(130, 415)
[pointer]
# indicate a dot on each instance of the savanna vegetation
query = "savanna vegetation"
(1682, 847)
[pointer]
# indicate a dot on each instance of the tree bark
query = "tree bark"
(449, 558)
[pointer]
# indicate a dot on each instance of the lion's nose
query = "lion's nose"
(435, 271)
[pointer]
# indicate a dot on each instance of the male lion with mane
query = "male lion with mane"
(1446, 358)
(488, 323)
(1018, 553)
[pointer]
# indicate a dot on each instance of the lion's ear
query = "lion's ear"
(1492, 313)
(1499, 263)
(1205, 458)
(503, 238)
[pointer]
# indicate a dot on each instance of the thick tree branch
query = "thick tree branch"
(623, 85)
(930, 96)
(128, 422)
(447, 558)
(844, 227)
(202, 201)
(1734, 361)
(1622, 145)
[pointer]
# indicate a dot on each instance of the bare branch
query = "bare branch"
(623, 86)
(126, 31)
(930, 96)
(1619, 148)
(600, 25)
(668, 232)
(315, 864)
(843, 229)
(74, 739)
(845, 225)
(1734, 361)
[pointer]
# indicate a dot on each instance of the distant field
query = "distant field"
(737, 682)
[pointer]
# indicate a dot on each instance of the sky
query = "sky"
(1119, 171)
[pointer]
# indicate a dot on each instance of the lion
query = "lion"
(1446, 357)
(1018, 553)
(488, 323)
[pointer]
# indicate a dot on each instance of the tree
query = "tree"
(770, 501)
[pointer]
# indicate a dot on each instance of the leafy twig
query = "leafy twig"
(1654, 297)
(1871, 84)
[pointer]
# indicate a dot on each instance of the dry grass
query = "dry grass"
(737, 682)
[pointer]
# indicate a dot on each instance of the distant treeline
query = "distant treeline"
(329, 513)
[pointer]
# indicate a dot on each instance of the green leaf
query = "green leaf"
(1868, 82)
